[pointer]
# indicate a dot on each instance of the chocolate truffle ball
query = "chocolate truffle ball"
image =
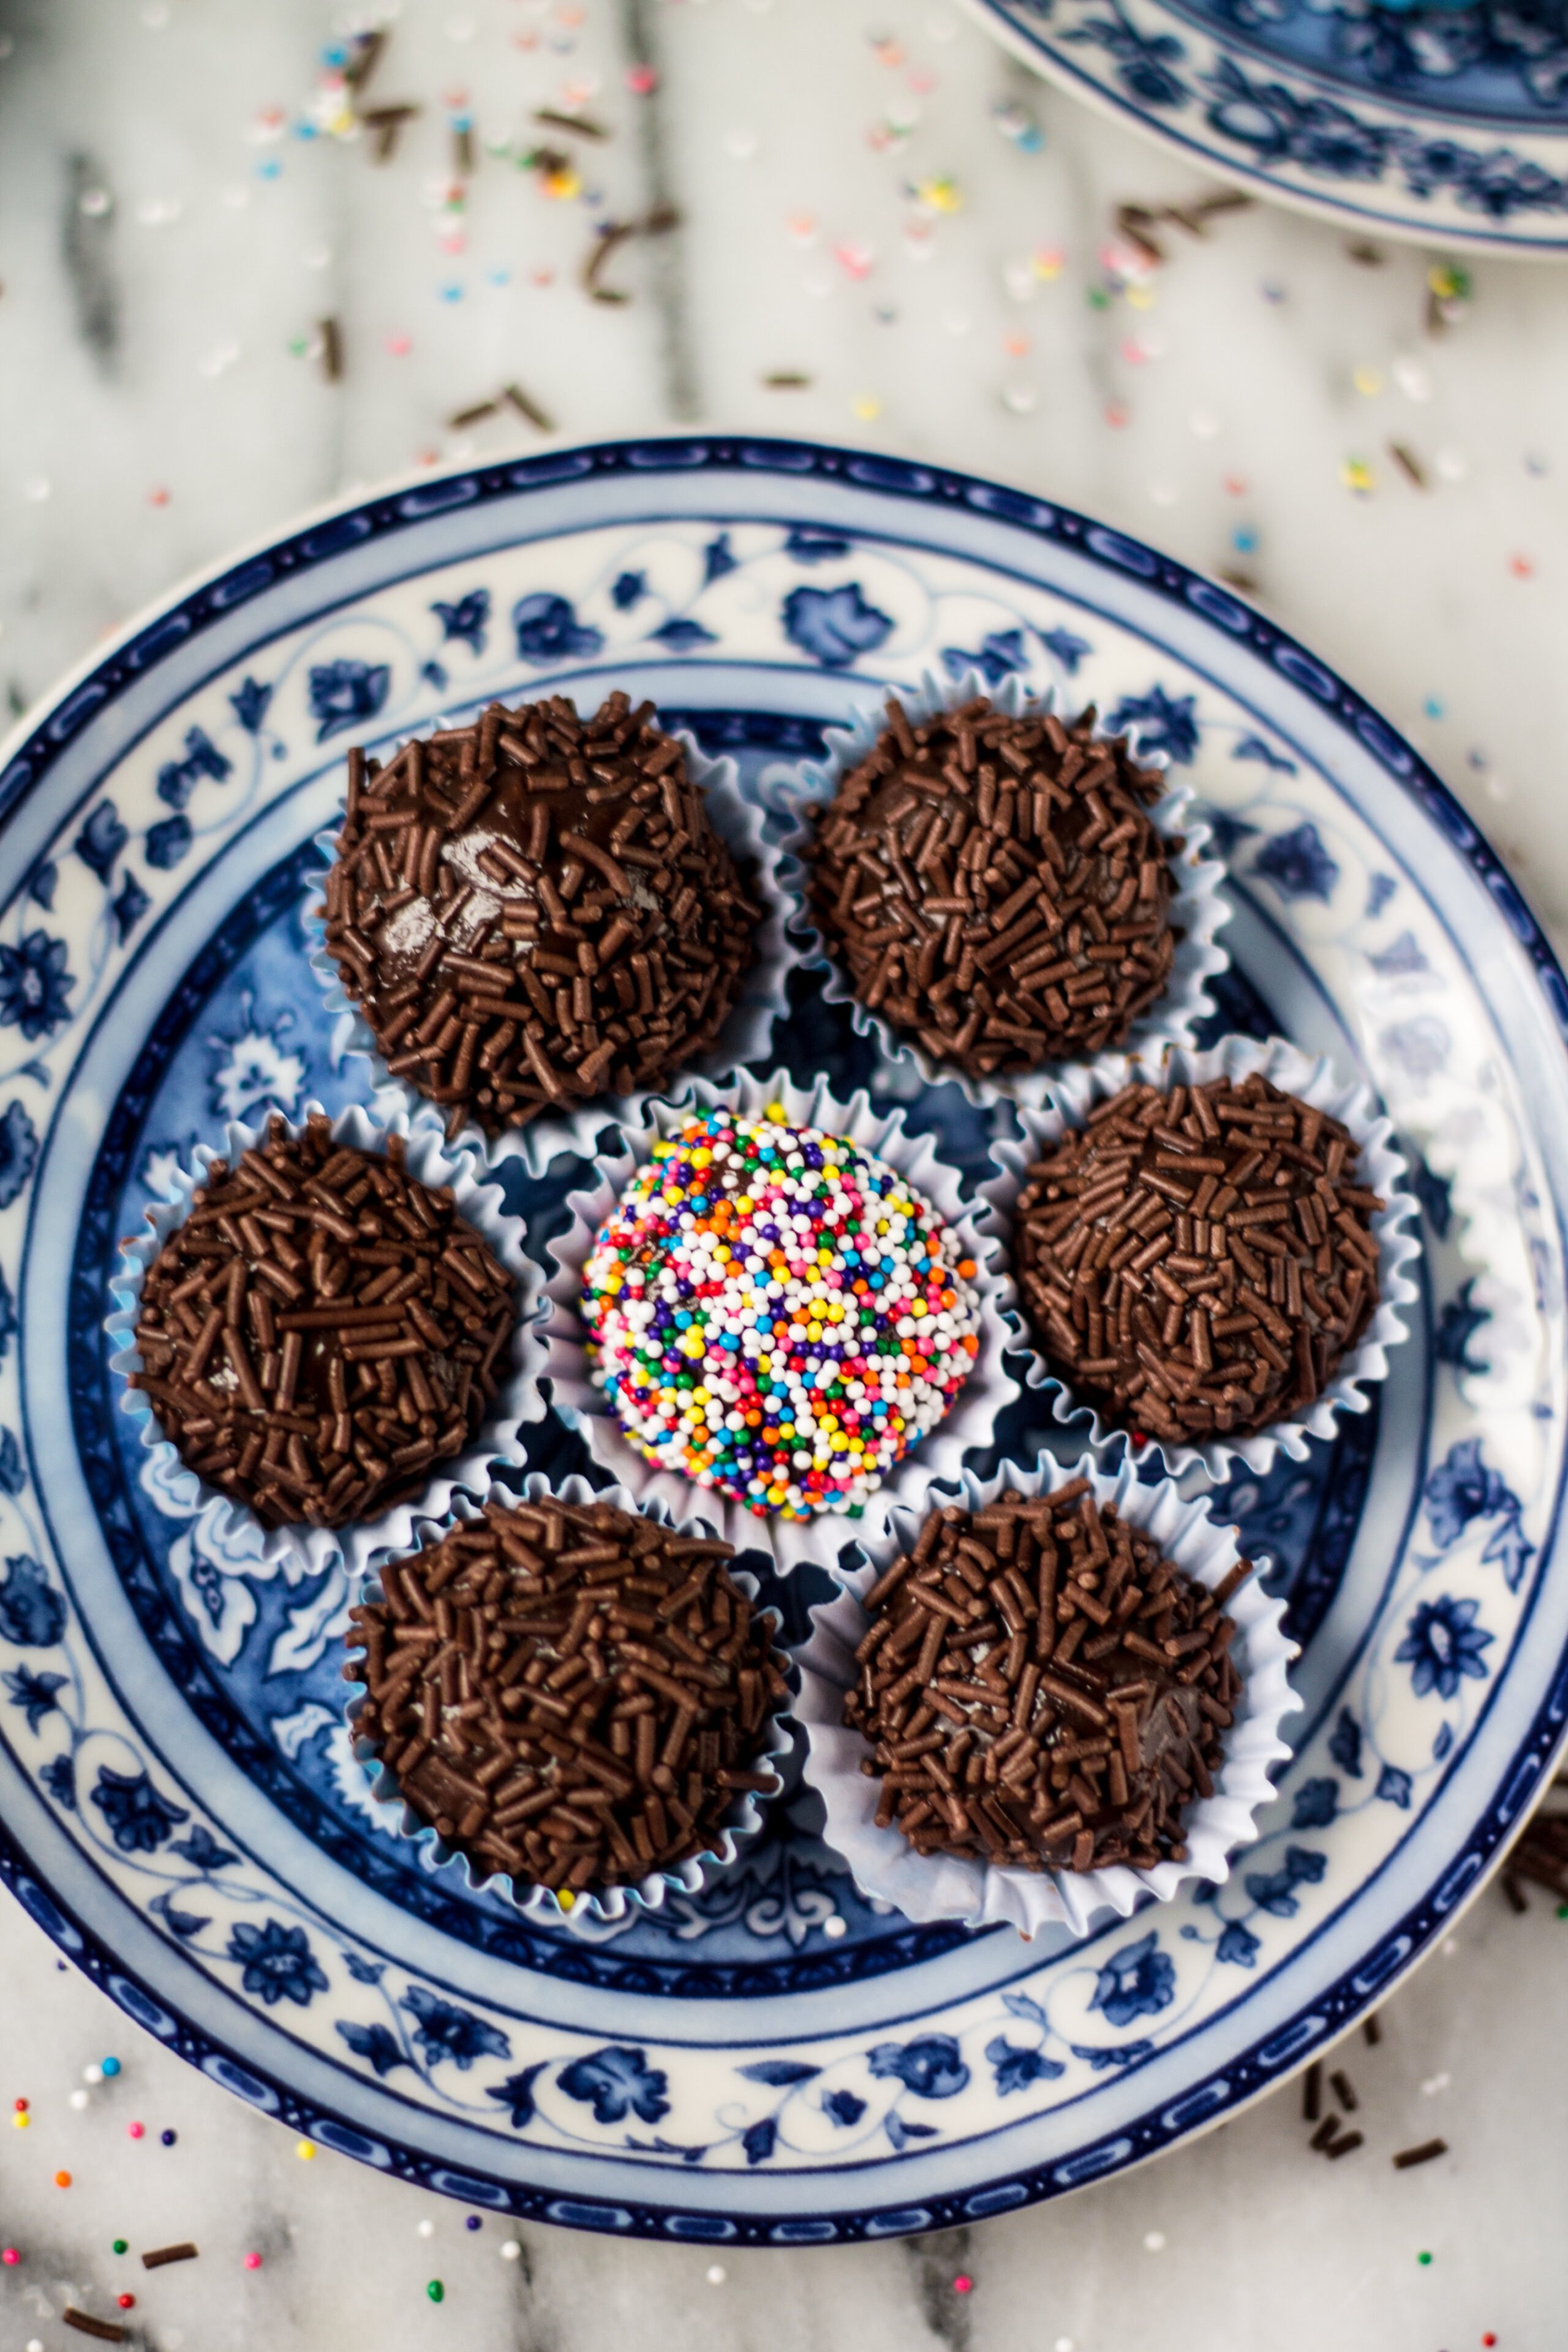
(1199, 1263)
(593, 1704)
(321, 1332)
(994, 888)
(536, 911)
(1042, 1689)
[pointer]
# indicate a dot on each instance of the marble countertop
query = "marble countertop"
(889, 233)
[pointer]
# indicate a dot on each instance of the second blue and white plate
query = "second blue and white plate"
(776, 2059)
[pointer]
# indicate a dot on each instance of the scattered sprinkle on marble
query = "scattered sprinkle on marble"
(62, 2180)
(253, 2262)
(305, 2149)
(426, 2229)
(473, 2222)
(10, 2256)
(168, 2138)
(717, 2275)
(509, 2250)
(1154, 2242)
(435, 2291)
(963, 2283)
(135, 2131)
(79, 2101)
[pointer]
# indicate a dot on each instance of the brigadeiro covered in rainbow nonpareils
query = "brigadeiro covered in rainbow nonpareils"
(776, 1313)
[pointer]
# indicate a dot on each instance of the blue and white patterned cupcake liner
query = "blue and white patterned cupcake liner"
(227, 1529)
(607, 1902)
(746, 1037)
(967, 1426)
(928, 1887)
(1380, 1168)
(1197, 907)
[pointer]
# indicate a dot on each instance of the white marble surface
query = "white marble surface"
(166, 241)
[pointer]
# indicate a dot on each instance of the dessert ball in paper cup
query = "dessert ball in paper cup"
(596, 936)
(1024, 1059)
(1139, 1746)
(1314, 1351)
(511, 1783)
(325, 1374)
(776, 1299)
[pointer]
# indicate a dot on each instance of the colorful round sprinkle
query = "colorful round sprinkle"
(253, 2262)
(435, 2291)
(168, 2138)
(122, 2245)
(10, 2255)
(135, 2130)
(126, 2302)
(110, 2065)
(62, 2180)
(774, 1312)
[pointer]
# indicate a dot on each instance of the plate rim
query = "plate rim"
(27, 756)
(1340, 211)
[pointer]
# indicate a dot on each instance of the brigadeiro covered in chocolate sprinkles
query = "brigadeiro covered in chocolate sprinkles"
(574, 1696)
(321, 1331)
(994, 885)
(1042, 1688)
(1198, 1261)
(536, 910)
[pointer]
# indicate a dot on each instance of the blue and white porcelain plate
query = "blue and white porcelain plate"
(775, 2060)
(1443, 119)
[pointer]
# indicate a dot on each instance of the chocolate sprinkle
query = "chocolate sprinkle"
(185, 2251)
(573, 1697)
(995, 886)
(1042, 1688)
(321, 1331)
(535, 911)
(1428, 2150)
(1199, 1261)
(85, 2324)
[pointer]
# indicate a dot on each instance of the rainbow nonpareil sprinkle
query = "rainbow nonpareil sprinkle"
(777, 1314)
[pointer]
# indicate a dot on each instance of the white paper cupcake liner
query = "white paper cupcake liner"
(611, 1902)
(229, 1528)
(927, 1887)
(1380, 1168)
(969, 1422)
(1197, 907)
(746, 1037)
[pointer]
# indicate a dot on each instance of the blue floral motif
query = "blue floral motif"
(101, 839)
(1274, 1891)
(277, 1963)
(35, 986)
(140, 1818)
(1420, 1046)
(759, 2140)
(347, 693)
(618, 2082)
(444, 2030)
(1126, 2054)
(1066, 649)
(1000, 655)
(683, 637)
(1136, 1981)
(1016, 2069)
(716, 559)
(184, 1924)
(1344, 1746)
(515, 2095)
(35, 1693)
(900, 2132)
(380, 2048)
(13, 1469)
(1457, 1324)
(1394, 1787)
(1463, 1488)
(1237, 1945)
(1400, 958)
(1228, 830)
(32, 1614)
(1274, 126)
(1443, 1742)
(177, 778)
(18, 1151)
(8, 1315)
(434, 675)
(930, 2066)
(130, 906)
(779, 2072)
(808, 545)
(363, 1971)
(1143, 61)
(1317, 1803)
(1443, 1645)
(548, 630)
(834, 626)
(250, 704)
(844, 2107)
(1253, 747)
(1298, 864)
(58, 1777)
(41, 883)
(1160, 721)
(200, 1848)
(168, 841)
(467, 620)
(1401, 43)
(628, 590)
(1379, 891)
